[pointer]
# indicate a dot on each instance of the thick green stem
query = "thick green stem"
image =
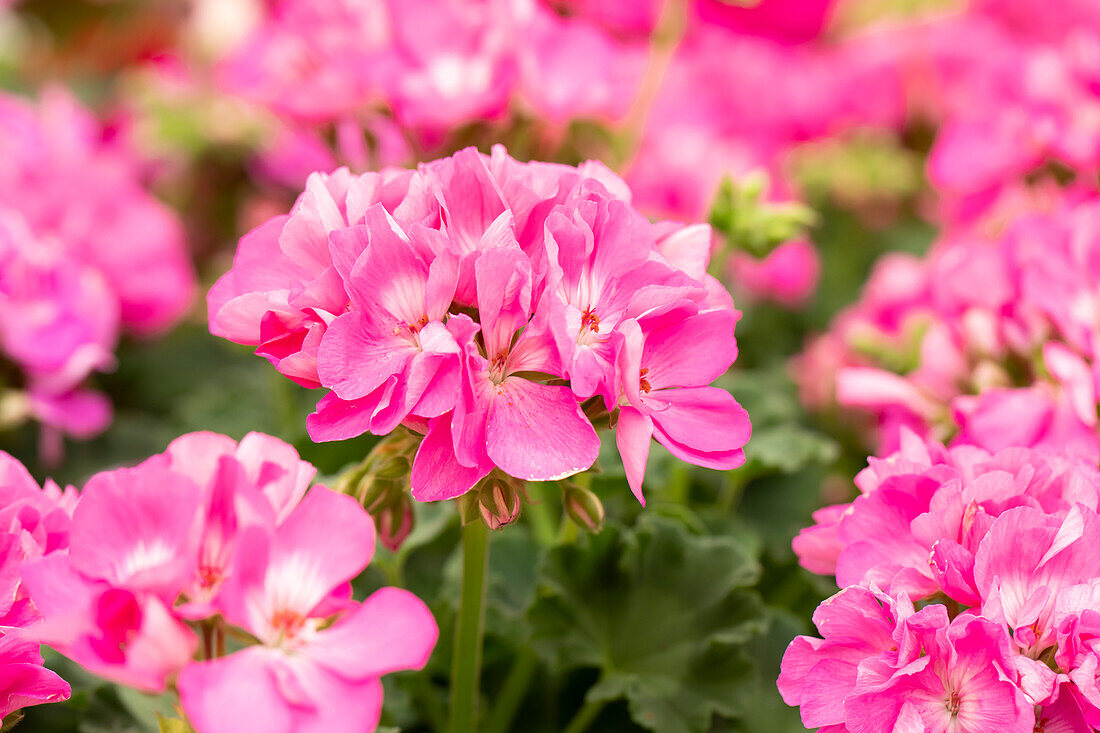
(469, 629)
(585, 717)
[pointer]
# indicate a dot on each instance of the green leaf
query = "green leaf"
(661, 613)
(790, 447)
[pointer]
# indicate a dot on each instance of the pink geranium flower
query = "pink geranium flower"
(305, 676)
(23, 680)
(666, 363)
(215, 532)
(85, 251)
(483, 303)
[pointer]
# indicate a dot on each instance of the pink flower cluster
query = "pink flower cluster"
(436, 65)
(1012, 362)
(491, 305)
(1014, 87)
(998, 552)
(84, 252)
(745, 87)
(226, 539)
(33, 522)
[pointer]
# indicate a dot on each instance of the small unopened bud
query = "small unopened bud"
(395, 522)
(583, 507)
(498, 502)
(392, 467)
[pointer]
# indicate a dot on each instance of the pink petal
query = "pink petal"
(633, 433)
(436, 472)
(391, 631)
(538, 432)
(138, 528)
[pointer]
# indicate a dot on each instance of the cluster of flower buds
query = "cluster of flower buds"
(217, 550)
(971, 598)
(492, 307)
(85, 251)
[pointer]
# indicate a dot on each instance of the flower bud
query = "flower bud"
(395, 522)
(583, 507)
(498, 502)
(392, 467)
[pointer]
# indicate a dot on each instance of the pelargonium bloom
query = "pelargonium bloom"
(925, 349)
(487, 304)
(306, 675)
(85, 251)
(436, 65)
(925, 511)
(215, 532)
(33, 523)
(1000, 550)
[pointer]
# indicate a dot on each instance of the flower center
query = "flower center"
(497, 367)
(590, 320)
(1041, 726)
(210, 576)
(643, 383)
(410, 330)
(954, 704)
(287, 624)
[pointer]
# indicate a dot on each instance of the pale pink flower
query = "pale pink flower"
(33, 523)
(305, 675)
(530, 430)
(392, 353)
(478, 301)
(284, 287)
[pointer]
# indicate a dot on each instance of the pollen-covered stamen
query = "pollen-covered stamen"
(643, 383)
(287, 624)
(210, 576)
(497, 367)
(1041, 725)
(954, 704)
(590, 321)
(410, 329)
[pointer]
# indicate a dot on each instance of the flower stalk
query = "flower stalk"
(469, 629)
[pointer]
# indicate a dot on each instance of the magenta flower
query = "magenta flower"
(23, 680)
(964, 682)
(484, 303)
(819, 674)
(667, 361)
(999, 548)
(925, 511)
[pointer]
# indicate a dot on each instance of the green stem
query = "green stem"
(538, 514)
(469, 629)
(512, 692)
(585, 716)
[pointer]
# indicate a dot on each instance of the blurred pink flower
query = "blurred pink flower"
(788, 274)
(85, 251)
